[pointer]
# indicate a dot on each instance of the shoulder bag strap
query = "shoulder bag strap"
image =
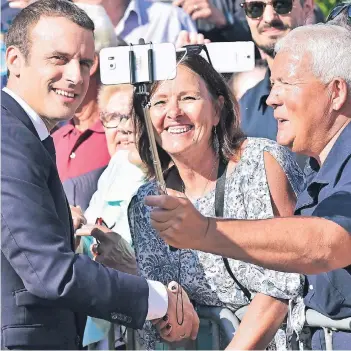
(219, 206)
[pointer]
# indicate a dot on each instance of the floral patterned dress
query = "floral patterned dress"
(203, 275)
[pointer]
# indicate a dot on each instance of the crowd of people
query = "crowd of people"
(257, 166)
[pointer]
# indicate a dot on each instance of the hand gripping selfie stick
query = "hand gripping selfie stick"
(143, 89)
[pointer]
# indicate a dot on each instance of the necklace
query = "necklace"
(208, 180)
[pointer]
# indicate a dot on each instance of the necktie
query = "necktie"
(49, 145)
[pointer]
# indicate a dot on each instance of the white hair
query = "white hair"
(104, 33)
(329, 46)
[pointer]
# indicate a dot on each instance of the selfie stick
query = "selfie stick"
(143, 89)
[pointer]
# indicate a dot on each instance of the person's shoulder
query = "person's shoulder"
(22, 152)
(146, 189)
(259, 145)
(283, 156)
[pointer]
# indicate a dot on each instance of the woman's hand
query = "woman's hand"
(177, 221)
(190, 38)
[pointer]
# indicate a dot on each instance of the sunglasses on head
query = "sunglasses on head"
(338, 9)
(255, 9)
(196, 49)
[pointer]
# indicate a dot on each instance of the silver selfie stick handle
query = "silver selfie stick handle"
(154, 153)
(143, 90)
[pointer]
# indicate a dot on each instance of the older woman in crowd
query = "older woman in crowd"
(107, 211)
(206, 156)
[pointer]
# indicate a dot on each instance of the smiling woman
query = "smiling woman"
(207, 158)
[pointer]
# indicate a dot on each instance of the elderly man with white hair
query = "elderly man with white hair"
(311, 97)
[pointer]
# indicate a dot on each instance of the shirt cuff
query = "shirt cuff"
(158, 300)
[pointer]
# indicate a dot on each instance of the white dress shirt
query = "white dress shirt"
(158, 297)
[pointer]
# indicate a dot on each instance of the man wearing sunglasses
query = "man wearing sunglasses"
(269, 21)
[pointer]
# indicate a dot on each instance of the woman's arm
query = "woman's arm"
(265, 313)
(262, 319)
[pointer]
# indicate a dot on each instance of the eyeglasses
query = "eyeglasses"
(338, 9)
(111, 120)
(255, 9)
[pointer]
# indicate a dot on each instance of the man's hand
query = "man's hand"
(178, 222)
(111, 249)
(168, 326)
(187, 38)
(114, 251)
(77, 217)
(202, 9)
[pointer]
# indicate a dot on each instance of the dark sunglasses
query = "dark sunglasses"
(255, 9)
(338, 9)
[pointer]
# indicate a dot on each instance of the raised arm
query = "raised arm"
(308, 245)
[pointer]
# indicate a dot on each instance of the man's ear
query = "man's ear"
(339, 93)
(14, 60)
(95, 66)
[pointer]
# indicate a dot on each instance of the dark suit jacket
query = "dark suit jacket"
(79, 190)
(45, 286)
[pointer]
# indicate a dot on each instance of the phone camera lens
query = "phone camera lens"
(112, 65)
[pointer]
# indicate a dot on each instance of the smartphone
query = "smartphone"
(115, 63)
(228, 57)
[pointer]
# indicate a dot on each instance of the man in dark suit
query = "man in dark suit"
(47, 289)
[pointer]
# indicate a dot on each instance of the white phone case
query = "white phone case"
(115, 68)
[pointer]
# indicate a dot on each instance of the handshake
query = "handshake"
(181, 321)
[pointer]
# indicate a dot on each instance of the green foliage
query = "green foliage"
(327, 5)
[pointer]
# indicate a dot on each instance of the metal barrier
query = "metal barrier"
(222, 319)
(315, 319)
(224, 323)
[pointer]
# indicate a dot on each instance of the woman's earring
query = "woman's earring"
(215, 141)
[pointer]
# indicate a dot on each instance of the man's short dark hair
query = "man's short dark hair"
(19, 33)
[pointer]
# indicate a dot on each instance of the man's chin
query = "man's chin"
(268, 49)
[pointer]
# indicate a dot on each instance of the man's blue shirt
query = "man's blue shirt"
(328, 196)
